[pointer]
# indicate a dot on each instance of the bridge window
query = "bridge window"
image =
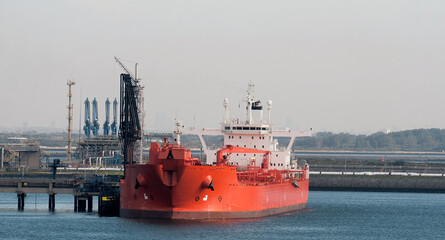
(245, 128)
(227, 128)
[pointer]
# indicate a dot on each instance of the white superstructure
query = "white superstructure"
(255, 132)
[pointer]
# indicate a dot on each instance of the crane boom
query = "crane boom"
(125, 69)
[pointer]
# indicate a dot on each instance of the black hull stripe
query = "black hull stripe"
(145, 214)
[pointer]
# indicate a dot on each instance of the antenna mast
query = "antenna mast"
(249, 102)
(70, 121)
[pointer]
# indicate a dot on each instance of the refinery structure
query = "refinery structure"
(96, 149)
(103, 150)
(92, 125)
(97, 144)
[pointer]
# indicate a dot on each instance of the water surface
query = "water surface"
(329, 215)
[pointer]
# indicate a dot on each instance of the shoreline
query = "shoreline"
(377, 183)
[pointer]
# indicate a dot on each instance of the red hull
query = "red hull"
(189, 198)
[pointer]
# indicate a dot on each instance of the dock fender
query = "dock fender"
(208, 182)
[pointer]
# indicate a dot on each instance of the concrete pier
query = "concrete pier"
(83, 203)
(376, 183)
(90, 203)
(83, 192)
(76, 203)
(21, 201)
(52, 202)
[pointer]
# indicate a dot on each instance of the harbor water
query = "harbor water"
(329, 215)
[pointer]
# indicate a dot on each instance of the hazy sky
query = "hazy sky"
(342, 66)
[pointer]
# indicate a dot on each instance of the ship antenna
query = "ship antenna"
(249, 102)
(226, 111)
(269, 107)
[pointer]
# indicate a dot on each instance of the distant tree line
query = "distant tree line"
(427, 140)
(409, 140)
(58, 139)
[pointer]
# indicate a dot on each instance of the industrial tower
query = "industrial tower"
(114, 123)
(138, 144)
(70, 120)
(95, 126)
(87, 127)
(107, 117)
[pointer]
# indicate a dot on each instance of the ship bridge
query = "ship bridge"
(261, 129)
(255, 132)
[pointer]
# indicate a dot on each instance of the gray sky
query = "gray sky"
(342, 66)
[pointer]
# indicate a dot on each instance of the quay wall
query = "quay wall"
(377, 183)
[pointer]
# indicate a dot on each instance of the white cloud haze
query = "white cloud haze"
(341, 65)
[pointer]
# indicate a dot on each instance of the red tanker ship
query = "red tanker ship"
(174, 185)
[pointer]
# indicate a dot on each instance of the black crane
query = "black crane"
(130, 127)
